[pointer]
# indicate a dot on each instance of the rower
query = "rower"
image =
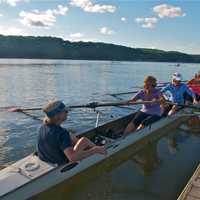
(149, 113)
(194, 85)
(195, 80)
(55, 144)
(178, 90)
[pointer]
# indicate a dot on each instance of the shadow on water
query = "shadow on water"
(158, 171)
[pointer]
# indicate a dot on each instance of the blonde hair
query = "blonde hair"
(151, 79)
(47, 120)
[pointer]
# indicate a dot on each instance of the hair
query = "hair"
(151, 79)
(49, 106)
(47, 120)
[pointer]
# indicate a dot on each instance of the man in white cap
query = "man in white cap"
(55, 144)
(178, 90)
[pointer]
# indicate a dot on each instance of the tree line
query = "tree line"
(57, 48)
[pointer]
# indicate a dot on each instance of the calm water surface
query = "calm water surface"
(30, 83)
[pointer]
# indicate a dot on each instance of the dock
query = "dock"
(192, 189)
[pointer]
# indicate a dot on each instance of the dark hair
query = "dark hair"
(152, 80)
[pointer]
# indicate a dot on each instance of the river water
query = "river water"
(31, 83)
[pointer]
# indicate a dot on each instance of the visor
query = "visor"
(59, 107)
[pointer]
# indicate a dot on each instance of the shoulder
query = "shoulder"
(52, 128)
(62, 131)
(156, 91)
(184, 85)
(192, 81)
(141, 92)
(43, 128)
(169, 85)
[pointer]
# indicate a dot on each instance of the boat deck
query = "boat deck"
(192, 189)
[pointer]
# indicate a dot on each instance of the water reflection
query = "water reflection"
(147, 158)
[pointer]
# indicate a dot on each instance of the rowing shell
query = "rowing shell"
(30, 175)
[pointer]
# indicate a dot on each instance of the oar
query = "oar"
(96, 104)
(121, 93)
(89, 105)
(184, 105)
(160, 84)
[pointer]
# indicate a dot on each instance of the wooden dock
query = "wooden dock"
(192, 189)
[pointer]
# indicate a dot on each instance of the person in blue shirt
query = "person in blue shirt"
(56, 145)
(177, 91)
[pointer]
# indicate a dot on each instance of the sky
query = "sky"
(168, 25)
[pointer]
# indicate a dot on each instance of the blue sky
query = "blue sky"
(167, 25)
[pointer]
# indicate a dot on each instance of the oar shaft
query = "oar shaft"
(159, 85)
(89, 105)
(30, 109)
(122, 93)
(184, 105)
(122, 103)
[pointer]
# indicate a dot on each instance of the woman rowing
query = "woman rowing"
(178, 92)
(149, 113)
(195, 80)
(56, 145)
(194, 85)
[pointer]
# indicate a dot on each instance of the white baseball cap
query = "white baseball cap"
(177, 76)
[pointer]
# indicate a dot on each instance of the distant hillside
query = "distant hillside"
(57, 48)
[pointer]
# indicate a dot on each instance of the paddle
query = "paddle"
(89, 105)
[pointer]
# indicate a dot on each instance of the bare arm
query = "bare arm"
(74, 156)
(73, 138)
(135, 98)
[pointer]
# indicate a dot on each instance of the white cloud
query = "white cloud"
(1, 15)
(89, 6)
(165, 10)
(11, 31)
(11, 2)
(62, 10)
(106, 31)
(76, 35)
(42, 19)
(147, 22)
(123, 19)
